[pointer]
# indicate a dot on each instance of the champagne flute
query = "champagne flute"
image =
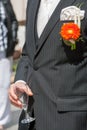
(24, 98)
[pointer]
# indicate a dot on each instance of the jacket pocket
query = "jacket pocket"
(72, 104)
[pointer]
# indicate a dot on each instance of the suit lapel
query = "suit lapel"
(52, 21)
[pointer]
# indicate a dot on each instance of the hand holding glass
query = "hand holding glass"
(24, 98)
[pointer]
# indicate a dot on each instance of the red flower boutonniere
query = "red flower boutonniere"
(70, 32)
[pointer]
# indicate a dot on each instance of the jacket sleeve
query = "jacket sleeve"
(24, 68)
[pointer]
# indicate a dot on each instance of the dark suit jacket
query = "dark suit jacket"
(55, 74)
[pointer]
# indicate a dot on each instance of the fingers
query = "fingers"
(28, 91)
(23, 87)
(12, 92)
(16, 103)
(13, 97)
(15, 89)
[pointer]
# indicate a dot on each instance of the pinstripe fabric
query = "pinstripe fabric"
(58, 75)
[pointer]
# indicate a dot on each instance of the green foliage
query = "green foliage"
(14, 67)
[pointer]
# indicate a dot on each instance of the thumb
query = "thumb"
(29, 91)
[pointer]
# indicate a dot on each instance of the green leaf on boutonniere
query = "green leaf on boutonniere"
(79, 5)
(70, 43)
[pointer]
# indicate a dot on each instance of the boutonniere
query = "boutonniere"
(71, 31)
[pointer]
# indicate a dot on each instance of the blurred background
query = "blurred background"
(19, 7)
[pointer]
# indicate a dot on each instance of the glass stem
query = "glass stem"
(26, 114)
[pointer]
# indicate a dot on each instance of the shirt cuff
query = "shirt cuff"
(22, 81)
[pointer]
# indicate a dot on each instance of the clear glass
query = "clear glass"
(24, 98)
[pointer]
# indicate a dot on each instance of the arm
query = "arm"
(24, 71)
(25, 67)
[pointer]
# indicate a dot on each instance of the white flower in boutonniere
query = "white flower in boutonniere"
(71, 31)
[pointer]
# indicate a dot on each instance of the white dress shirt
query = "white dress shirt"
(45, 11)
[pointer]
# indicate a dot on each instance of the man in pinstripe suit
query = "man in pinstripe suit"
(55, 74)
